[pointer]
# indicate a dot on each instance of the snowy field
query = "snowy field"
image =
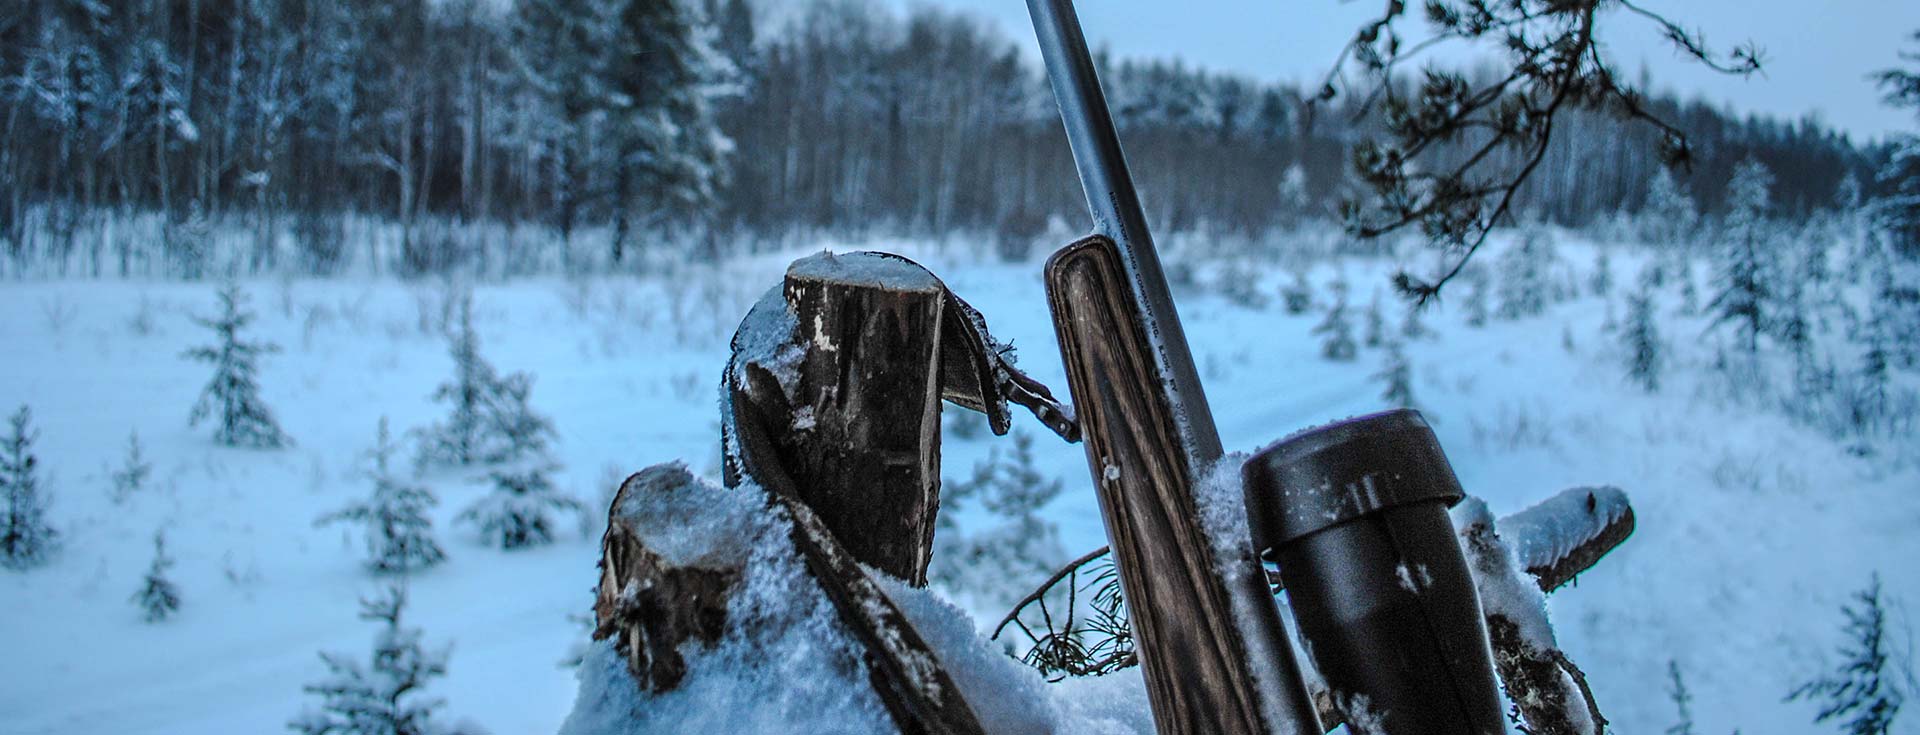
(1753, 529)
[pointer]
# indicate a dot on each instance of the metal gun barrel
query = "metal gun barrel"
(1117, 214)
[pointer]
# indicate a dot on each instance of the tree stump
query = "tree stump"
(864, 449)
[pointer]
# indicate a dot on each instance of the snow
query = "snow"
(692, 523)
(1752, 529)
(1555, 526)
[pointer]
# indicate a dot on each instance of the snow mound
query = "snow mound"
(785, 663)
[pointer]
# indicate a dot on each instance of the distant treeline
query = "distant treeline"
(845, 115)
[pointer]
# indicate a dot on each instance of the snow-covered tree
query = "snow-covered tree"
(1297, 296)
(1689, 291)
(517, 513)
(1526, 275)
(399, 533)
(1682, 700)
(131, 476)
(1240, 283)
(489, 419)
(1000, 561)
(1376, 334)
(1865, 691)
(232, 397)
(384, 696)
(1668, 218)
(1396, 377)
(26, 539)
(1641, 340)
(158, 598)
(1476, 300)
(1411, 326)
(1745, 297)
(1602, 281)
(1898, 209)
(1337, 334)
(639, 74)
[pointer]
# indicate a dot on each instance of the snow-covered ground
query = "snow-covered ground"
(1752, 529)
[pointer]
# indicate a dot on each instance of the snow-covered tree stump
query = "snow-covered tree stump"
(648, 604)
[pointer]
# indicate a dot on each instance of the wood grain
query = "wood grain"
(1198, 674)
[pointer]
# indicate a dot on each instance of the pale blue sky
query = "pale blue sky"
(1819, 51)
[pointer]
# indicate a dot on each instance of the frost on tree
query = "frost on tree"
(1744, 299)
(26, 539)
(1396, 377)
(1641, 338)
(383, 696)
(232, 397)
(1526, 275)
(398, 532)
(132, 475)
(1336, 333)
(1864, 691)
(640, 74)
(489, 420)
(518, 513)
(158, 598)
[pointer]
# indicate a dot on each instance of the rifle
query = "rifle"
(1214, 654)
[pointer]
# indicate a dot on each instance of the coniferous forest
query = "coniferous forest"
(424, 367)
(280, 117)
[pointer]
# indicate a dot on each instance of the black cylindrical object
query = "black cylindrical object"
(1355, 514)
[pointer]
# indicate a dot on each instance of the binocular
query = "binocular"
(1354, 514)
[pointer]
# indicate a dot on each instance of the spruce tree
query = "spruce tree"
(1337, 343)
(1667, 220)
(489, 419)
(1689, 292)
(1898, 209)
(516, 513)
(999, 561)
(1376, 334)
(1297, 296)
(158, 598)
(132, 475)
(638, 72)
(1602, 282)
(1396, 377)
(1476, 303)
(26, 539)
(1682, 700)
(1745, 299)
(383, 696)
(1641, 338)
(232, 397)
(1526, 275)
(1412, 327)
(399, 533)
(1864, 690)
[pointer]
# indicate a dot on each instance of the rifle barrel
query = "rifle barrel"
(1117, 214)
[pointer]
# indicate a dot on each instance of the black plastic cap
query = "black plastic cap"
(1335, 473)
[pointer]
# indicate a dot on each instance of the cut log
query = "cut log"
(648, 605)
(862, 442)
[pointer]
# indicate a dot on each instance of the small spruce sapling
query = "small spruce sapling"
(1476, 303)
(490, 420)
(1297, 296)
(1396, 377)
(1745, 300)
(516, 514)
(132, 475)
(399, 533)
(1602, 282)
(1682, 700)
(999, 562)
(26, 539)
(1865, 689)
(232, 397)
(385, 695)
(1412, 327)
(1526, 278)
(158, 598)
(1376, 334)
(1641, 338)
(1337, 343)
